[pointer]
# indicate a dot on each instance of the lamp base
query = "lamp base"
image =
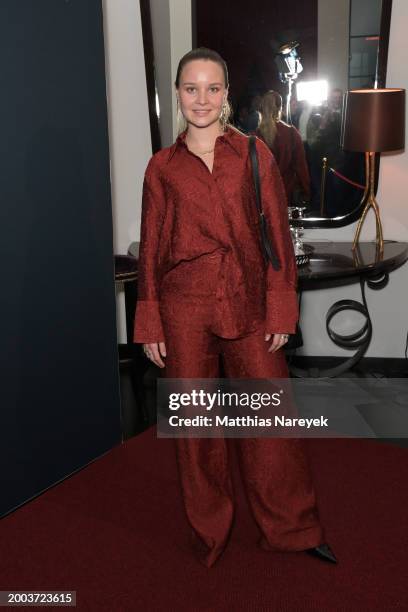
(370, 202)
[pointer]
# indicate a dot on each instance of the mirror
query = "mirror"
(343, 43)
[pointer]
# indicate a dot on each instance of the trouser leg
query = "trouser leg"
(193, 352)
(275, 471)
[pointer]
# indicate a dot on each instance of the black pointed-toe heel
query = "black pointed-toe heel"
(323, 552)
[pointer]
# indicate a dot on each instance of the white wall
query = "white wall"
(129, 128)
(388, 307)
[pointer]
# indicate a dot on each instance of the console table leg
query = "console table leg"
(360, 339)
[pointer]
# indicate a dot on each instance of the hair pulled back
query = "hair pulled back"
(271, 110)
(202, 53)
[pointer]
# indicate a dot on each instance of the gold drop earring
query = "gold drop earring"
(181, 122)
(223, 115)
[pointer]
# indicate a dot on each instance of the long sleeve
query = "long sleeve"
(147, 325)
(282, 310)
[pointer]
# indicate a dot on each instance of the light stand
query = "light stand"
(289, 67)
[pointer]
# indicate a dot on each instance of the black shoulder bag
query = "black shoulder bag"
(266, 242)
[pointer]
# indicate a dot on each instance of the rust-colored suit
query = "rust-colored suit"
(206, 291)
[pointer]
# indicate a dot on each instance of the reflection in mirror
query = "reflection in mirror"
(290, 65)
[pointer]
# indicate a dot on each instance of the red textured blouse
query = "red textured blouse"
(200, 240)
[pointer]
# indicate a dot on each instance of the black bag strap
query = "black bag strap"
(267, 247)
(255, 173)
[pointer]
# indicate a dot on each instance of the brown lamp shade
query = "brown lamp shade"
(373, 120)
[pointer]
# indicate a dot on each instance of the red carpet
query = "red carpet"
(116, 533)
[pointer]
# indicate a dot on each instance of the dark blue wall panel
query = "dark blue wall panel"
(60, 403)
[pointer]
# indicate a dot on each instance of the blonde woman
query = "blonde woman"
(286, 145)
(205, 293)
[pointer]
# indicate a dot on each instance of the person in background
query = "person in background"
(247, 119)
(286, 145)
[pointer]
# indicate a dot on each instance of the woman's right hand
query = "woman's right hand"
(155, 351)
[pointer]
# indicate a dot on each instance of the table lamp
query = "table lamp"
(373, 122)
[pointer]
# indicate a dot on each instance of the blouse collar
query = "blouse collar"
(229, 136)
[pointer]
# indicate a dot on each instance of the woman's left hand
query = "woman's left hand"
(278, 341)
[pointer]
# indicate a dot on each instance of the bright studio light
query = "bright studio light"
(314, 92)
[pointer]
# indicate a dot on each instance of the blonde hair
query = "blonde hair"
(271, 111)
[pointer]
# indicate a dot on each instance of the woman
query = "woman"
(203, 292)
(286, 145)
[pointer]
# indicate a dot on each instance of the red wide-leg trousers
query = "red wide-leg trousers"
(274, 471)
